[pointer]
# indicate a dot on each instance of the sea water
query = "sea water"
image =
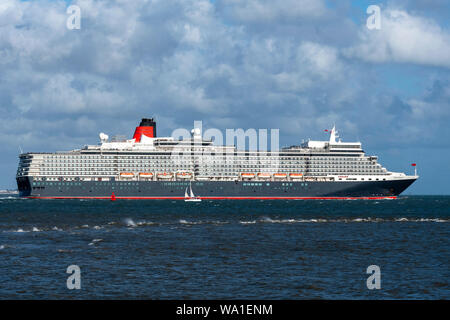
(160, 249)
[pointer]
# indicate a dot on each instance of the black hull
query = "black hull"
(213, 189)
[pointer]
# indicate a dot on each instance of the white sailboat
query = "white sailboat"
(190, 197)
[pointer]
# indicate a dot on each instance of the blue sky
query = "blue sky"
(296, 65)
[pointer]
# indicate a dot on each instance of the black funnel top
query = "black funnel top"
(150, 122)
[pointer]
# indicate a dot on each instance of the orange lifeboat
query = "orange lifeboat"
(164, 175)
(184, 175)
(279, 175)
(247, 175)
(127, 174)
(296, 175)
(263, 175)
(146, 175)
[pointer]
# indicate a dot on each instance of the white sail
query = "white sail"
(192, 194)
(190, 197)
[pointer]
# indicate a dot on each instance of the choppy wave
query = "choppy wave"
(145, 223)
(129, 223)
(248, 222)
(182, 221)
(213, 222)
(11, 198)
(94, 242)
(343, 220)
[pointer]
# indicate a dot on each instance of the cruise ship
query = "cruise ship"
(151, 167)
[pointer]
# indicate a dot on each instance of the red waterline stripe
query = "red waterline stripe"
(223, 198)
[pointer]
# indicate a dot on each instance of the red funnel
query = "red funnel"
(147, 128)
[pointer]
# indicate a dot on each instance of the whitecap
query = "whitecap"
(130, 223)
(144, 223)
(94, 241)
(182, 221)
(281, 221)
(431, 220)
(219, 222)
(289, 221)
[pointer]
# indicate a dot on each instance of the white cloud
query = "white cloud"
(434, 106)
(319, 59)
(192, 34)
(267, 11)
(58, 96)
(404, 38)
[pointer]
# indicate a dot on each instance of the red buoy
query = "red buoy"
(113, 197)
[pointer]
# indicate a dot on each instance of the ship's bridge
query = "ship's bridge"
(329, 146)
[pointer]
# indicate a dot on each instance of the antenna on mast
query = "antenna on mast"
(333, 135)
(415, 168)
